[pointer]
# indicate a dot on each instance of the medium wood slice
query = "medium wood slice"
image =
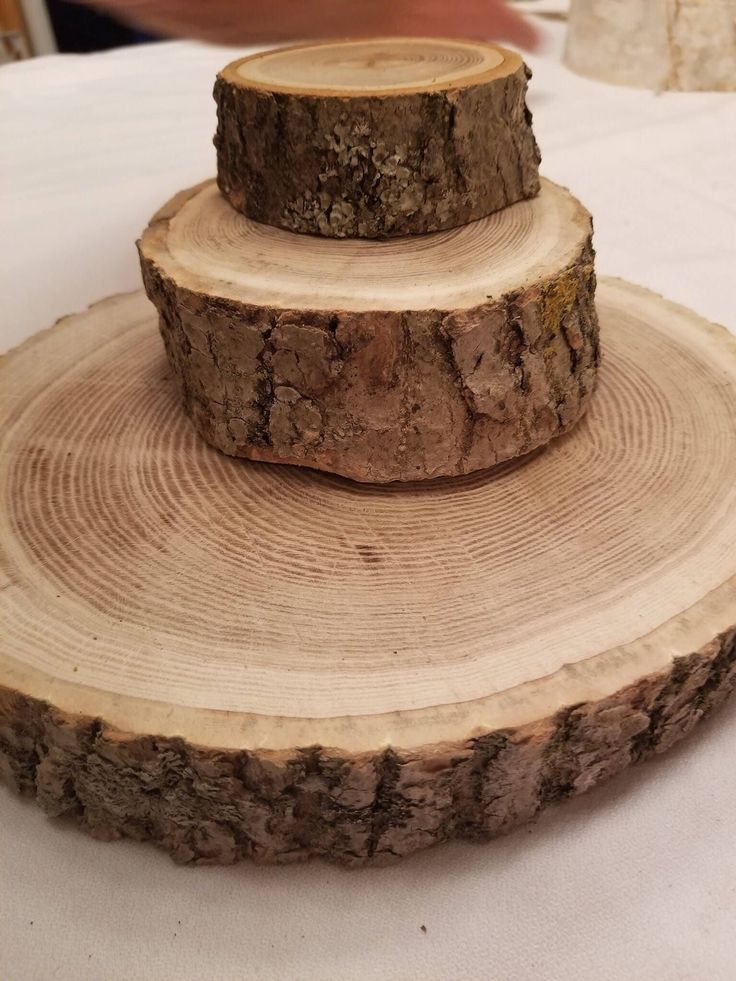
(672, 44)
(381, 361)
(234, 659)
(374, 138)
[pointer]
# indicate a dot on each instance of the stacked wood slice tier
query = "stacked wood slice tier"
(233, 659)
(375, 138)
(400, 359)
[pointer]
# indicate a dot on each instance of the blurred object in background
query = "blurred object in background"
(41, 26)
(548, 9)
(81, 29)
(25, 30)
(241, 22)
(15, 42)
(81, 26)
(37, 27)
(685, 45)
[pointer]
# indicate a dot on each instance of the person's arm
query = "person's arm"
(261, 21)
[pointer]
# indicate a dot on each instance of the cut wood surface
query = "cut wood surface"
(375, 138)
(394, 360)
(671, 44)
(235, 659)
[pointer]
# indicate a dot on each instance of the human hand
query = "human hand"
(262, 21)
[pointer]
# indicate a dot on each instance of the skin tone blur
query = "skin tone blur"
(240, 22)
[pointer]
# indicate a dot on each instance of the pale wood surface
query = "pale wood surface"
(400, 359)
(200, 242)
(375, 138)
(377, 66)
(688, 45)
(534, 629)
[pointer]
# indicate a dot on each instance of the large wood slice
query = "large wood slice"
(394, 360)
(234, 659)
(375, 138)
(672, 44)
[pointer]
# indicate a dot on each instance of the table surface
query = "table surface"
(635, 880)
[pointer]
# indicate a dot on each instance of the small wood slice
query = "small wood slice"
(381, 361)
(234, 659)
(374, 138)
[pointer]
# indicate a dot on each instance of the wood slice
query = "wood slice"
(381, 361)
(235, 659)
(377, 137)
(672, 44)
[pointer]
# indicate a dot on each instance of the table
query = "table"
(636, 880)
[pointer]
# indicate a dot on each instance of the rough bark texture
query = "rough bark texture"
(375, 166)
(142, 573)
(674, 44)
(218, 806)
(383, 396)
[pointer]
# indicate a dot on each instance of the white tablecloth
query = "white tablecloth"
(636, 880)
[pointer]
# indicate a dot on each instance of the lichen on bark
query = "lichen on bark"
(372, 167)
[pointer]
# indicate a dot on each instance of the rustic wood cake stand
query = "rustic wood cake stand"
(237, 659)
(432, 355)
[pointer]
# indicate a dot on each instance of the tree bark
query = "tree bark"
(242, 661)
(219, 806)
(371, 165)
(381, 395)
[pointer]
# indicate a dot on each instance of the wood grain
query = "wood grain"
(375, 138)
(234, 659)
(403, 359)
